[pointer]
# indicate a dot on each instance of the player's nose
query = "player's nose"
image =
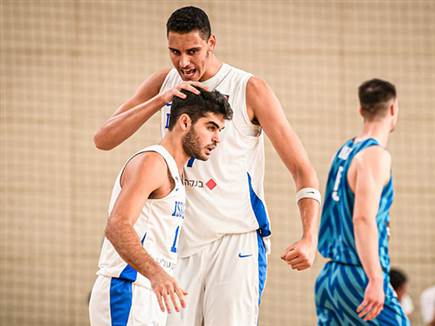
(184, 61)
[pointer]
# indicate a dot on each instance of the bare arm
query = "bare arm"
(263, 106)
(371, 170)
(132, 114)
(144, 174)
(137, 110)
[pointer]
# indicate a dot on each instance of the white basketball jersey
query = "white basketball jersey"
(158, 227)
(224, 194)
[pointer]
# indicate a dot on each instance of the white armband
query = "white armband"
(312, 193)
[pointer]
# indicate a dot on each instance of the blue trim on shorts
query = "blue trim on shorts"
(120, 301)
(259, 211)
(262, 266)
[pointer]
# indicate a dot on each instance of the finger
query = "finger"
(286, 251)
(298, 260)
(366, 310)
(375, 312)
(174, 300)
(180, 295)
(301, 267)
(361, 306)
(160, 301)
(179, 94)
(190, 88)
(198, 84)
(165, 299)
(292, 254)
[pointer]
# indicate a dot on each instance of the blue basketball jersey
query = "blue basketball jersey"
(336, 237)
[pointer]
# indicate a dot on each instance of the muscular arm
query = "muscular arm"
(143, 174)
(132, 114)
(263, 106)
(367, 176)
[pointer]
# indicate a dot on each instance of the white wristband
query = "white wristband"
(312, 193)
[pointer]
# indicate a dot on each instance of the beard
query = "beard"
(192, 147)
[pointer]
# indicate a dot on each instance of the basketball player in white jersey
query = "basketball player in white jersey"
(135, 284)
(225, 236)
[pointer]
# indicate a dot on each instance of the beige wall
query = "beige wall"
(67, 65)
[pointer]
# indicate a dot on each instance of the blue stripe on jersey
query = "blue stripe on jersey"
(336, 235)
(262, 266)
(129, 273)
(120, 301)
(259, 211)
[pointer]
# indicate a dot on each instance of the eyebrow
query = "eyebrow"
(215, 124)
(194, 48)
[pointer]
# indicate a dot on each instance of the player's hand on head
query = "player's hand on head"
(300, 255)
(191, 86)
(169, 293)
(373, 302)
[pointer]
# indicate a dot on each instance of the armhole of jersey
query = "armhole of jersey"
(166, 80)
(350, 163)
(155, 149)
(248, 123)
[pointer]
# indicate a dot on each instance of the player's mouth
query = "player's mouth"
(188, 74)
(209, 149)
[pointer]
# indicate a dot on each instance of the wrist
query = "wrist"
(376, 279)
(310, 237)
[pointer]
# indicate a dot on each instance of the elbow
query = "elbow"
(108, 232)
(359, 220)
(100, 143)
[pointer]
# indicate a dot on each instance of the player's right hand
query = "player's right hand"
(166, 288)
(176, 91)
(373, 302)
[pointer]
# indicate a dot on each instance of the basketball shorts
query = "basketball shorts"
(118, 302)
(224, 281)
(340, 290)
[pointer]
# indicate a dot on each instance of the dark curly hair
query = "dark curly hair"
(197, 106)
(188, 19)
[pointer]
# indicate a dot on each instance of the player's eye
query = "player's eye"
(176, 52)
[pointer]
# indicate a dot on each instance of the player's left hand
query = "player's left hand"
(300, 255)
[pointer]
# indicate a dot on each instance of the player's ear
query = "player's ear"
(211, 42)
(184, 122)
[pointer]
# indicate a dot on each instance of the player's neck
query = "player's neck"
(378, 130)
(175, 147)
(213, 68)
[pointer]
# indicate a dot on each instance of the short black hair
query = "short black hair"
(197, 106)
(397, 278)
(374, 96)
(188, 19)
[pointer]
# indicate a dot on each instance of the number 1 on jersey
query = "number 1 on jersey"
(174, 244)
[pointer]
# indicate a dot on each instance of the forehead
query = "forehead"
(211, 117)
(185, 40)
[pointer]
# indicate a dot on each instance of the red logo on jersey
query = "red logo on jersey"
(211, 184)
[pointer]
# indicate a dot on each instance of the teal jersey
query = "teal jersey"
(336, 237)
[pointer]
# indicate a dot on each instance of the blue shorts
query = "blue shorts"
(340, 290)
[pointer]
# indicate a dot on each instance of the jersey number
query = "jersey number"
(174, 244)
(335, 196)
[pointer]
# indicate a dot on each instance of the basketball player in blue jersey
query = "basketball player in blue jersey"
(353, 288)
(135, 284)
(225, 237)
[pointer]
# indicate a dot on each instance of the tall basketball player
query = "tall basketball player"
(353, 288)
(226, 232)
(146, 213)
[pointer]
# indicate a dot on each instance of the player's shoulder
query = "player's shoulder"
(256, 86)
(146, 165)
(376, 157)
